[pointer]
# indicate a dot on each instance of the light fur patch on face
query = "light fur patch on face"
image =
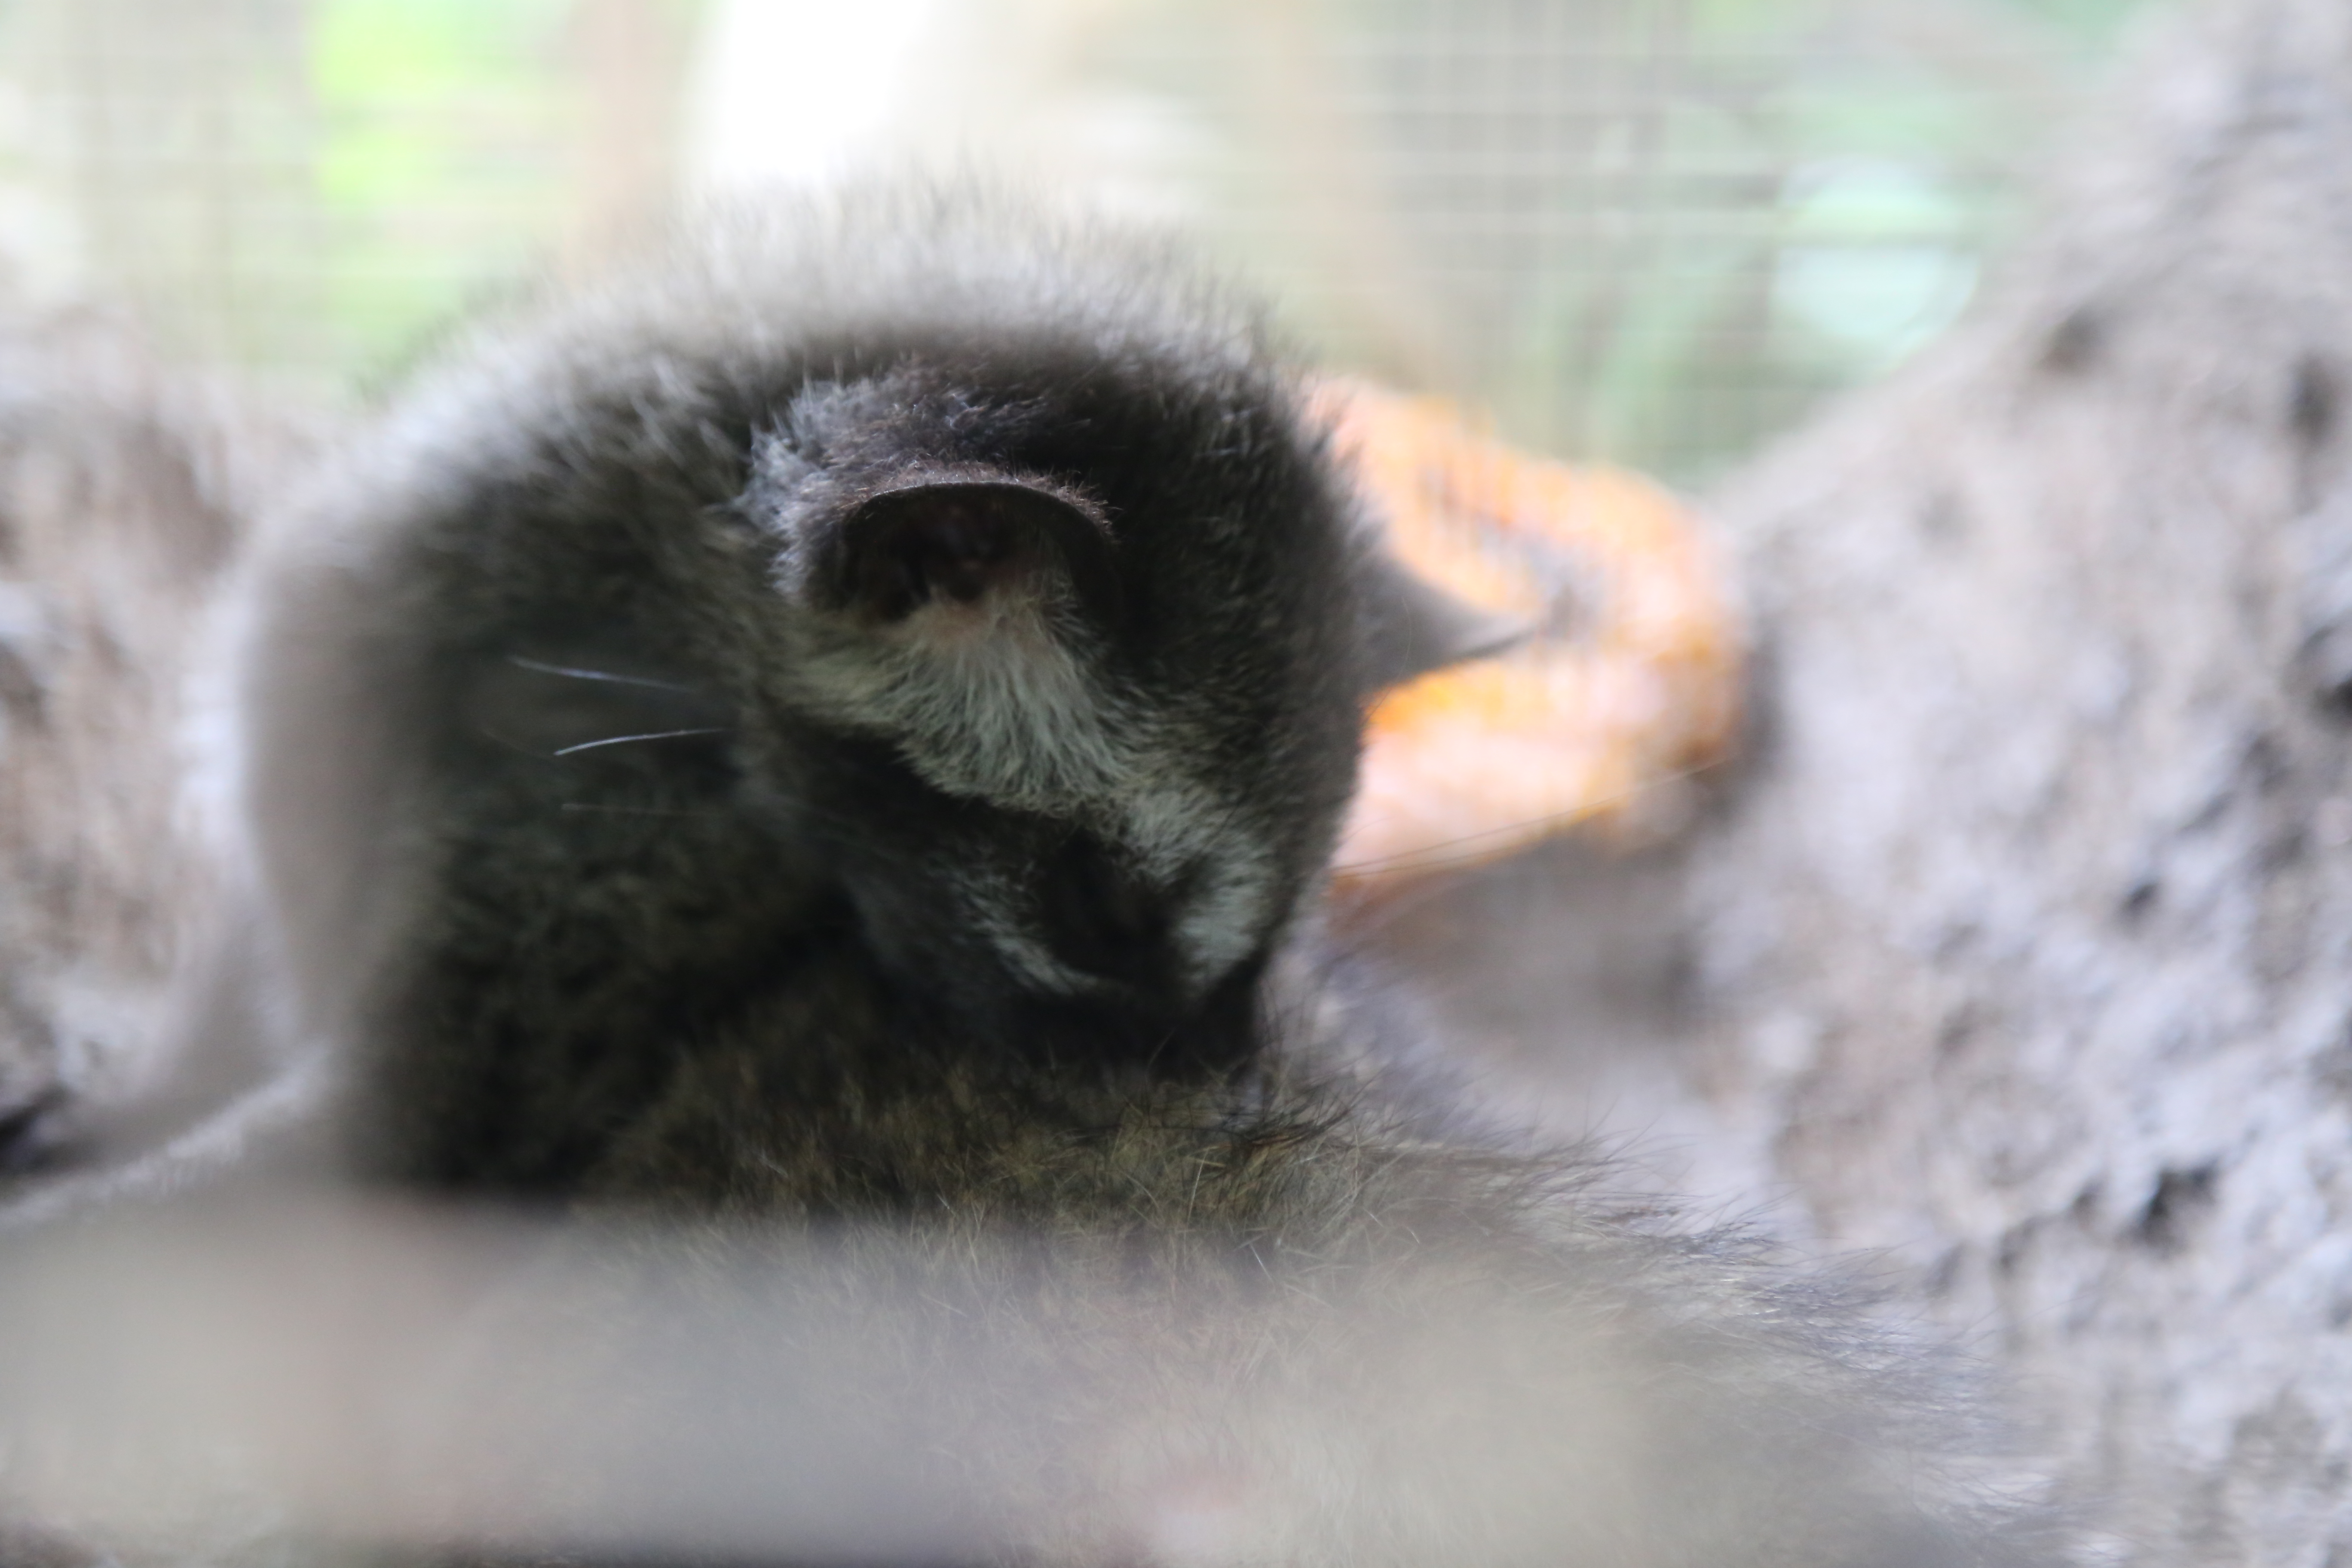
(1174, 824)
(1001, 701)
(987, 700)
(998, 912)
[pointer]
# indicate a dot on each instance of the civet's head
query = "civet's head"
(980, 606)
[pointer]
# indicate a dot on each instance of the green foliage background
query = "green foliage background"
(437, 158)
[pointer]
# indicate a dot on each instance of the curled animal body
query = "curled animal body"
(815, 762)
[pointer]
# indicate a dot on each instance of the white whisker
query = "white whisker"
(638, 810)
(630, 740)
(575, 672)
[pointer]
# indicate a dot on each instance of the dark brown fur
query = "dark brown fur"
(1015, 990)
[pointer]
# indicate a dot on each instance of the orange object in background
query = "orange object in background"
(1628, 682)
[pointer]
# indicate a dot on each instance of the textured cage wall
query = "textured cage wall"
(1652, 229)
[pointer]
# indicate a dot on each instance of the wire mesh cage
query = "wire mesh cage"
(1653, 230)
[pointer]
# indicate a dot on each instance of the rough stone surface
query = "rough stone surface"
(123, 495)
(2020, 948)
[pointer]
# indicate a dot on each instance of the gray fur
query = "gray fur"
(958, 914)
(652, 484)
(123, 495)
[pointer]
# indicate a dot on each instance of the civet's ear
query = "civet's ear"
(1413, 625)
(969, 543)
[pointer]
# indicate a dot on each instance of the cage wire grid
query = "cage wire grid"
(1650, 230)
